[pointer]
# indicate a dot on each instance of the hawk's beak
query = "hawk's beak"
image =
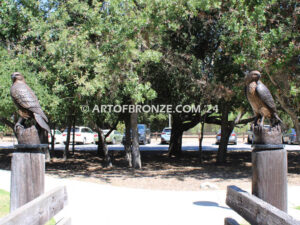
(13, 76)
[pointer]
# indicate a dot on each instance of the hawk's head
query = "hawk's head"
(16, 76)
(252, 76)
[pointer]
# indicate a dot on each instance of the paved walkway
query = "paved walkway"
(91, 203)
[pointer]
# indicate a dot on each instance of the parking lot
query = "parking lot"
(188, 144)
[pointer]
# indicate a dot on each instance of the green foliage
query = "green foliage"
(89, 57)
(264, 36)
(5, 130)
(75, 53)
(6, 106)
(155, 121)
(51, 222)
(10, 64)
(121, 128)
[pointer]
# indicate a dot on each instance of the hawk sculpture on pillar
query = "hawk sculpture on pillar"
(260, 99)
(27, 102)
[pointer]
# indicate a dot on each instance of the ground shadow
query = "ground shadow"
(209, 204)
(156, 165)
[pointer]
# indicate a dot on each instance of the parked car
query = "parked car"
(58, 138)
(232, 138)
(96, 138)
(250, 136)
(144, 134)
(83, 135)
(114, 137)
(290, 137)
(165, 135)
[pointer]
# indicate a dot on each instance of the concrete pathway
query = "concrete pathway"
(91, 203)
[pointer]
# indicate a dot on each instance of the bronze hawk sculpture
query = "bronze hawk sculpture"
(260, 99)
(27, 102)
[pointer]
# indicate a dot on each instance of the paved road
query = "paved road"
(159, 147)
(163, 148)
(93, 204)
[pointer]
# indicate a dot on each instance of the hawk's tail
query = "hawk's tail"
(40, 120)
(276, 120)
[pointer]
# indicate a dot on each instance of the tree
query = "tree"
(86, 55)
(195, 66)
(167, 52)
(136, 156)
(272, 46)
(282, 63)
(8, 65)
(183, 42)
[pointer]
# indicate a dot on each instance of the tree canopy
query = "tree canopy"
(90, 52)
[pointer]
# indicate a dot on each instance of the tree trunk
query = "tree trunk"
(66, 151)
(73, 135)
(297, 128)
(226, 130)
(52, 138)
(102, 149)
(107, 159)
(176, 137)
(136, 156)
(127, 143)
(200, 141)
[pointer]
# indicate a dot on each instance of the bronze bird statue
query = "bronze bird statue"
(27, 102)
(260, 99)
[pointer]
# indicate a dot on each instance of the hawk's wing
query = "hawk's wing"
(25, 98)
(265, 95)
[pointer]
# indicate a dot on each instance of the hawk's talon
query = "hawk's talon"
(17, 126)
(259, 127)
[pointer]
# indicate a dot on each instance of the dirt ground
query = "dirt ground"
(161, 172)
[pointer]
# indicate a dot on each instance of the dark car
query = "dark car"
(232, 138)
(144, 134)
(250, 136)
(290, 137)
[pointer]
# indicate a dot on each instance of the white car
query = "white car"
(83, 135)
(166, 135)
(58, 138)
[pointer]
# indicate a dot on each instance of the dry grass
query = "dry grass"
(4, 203)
